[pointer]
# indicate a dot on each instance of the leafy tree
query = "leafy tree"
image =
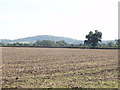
(93, 39)
(9, 44)
(118, 43)
(72, 45)
(110, 44)
(26, 44)
(1, 44)
(14, 44)
(61, 43)
(45, 43)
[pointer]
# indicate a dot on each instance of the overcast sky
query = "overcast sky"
(68, 18)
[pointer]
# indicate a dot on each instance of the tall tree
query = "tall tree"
(93, 39)
(118, 43)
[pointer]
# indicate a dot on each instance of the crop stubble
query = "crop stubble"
(59, 67)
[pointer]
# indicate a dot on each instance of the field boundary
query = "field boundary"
(60, 47)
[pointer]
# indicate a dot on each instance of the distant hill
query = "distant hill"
(44, 37)
(48, 37)
(5, 40)
(106, 41)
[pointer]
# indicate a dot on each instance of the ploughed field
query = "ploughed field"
(59, 68)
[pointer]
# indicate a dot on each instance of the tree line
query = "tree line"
(49, 43)
(41, 43)
(93, 40)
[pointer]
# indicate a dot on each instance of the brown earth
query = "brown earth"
(59, 67)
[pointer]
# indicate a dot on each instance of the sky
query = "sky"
(67, 18)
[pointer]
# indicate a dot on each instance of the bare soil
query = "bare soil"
(59, 68)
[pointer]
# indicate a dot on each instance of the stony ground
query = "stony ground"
(59, 68)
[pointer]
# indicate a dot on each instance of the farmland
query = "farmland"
(59, 68)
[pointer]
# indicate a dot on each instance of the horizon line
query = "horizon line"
(51, 35)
